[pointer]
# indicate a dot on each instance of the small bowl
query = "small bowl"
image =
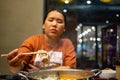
(108, 74)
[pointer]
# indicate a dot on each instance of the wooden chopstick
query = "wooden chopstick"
(5, 55)
(35, 53)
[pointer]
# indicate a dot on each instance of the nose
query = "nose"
(54, 23)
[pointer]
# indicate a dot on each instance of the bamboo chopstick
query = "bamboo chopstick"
(39, 52)
(35, 53)
(4, 55)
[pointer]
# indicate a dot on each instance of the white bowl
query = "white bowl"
(108, 74)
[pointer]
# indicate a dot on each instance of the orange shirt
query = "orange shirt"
(38, 42)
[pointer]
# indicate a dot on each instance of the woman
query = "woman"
(59, 50)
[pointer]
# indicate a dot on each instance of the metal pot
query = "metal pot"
(61, 74)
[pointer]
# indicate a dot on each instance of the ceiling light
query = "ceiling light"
(106, 1)
(66, 1)
(88, 2)
(64, 10)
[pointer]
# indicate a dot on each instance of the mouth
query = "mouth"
(53, 31)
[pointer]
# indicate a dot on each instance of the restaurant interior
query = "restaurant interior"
(92, 25)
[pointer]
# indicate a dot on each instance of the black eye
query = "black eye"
(60, 21)
(50, 20)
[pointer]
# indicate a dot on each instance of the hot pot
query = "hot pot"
(60, 74)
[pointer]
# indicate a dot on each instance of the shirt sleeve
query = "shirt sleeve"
(27, 46)
(69, 55)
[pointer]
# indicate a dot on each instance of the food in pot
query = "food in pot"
(46, 77)
(72, 77)
(67, 74)
(60, 77)
(75, 75)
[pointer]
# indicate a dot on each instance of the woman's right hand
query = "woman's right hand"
(15, 59)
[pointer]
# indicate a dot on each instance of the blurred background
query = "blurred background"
(93, 26)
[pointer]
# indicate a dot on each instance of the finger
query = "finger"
(16, 60)
(12, 54)
(32, 66)
(30, 70)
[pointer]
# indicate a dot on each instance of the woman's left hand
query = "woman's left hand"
(63, 67)
(32, 68)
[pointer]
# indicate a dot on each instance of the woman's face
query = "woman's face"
(54, 24)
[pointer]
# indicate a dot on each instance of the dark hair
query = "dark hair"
(54, 9)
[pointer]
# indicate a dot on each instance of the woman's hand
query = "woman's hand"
(12, 54)
(15, 59)
(63, 67)
(32, 68)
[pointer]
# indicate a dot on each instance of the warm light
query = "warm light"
(66, 1)
(111, 30)
(105, 1)
(118, 37)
